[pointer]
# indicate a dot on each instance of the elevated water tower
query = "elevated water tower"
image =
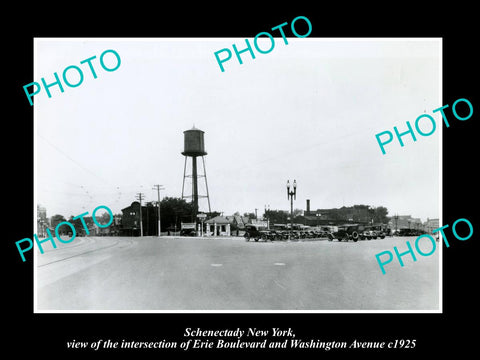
(194, 146)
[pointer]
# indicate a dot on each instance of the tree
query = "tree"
(250, 215)
(276, 216)
(175, 210)
(56, 219)
(78, 225)
(297, 213)
(364, 214)
(104, 218)
(213, 214)
(380, 215)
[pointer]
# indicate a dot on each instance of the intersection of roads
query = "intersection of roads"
(229, 274)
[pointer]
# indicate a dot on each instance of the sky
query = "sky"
(307, 111)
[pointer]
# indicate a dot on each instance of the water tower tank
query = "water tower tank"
(194, 143)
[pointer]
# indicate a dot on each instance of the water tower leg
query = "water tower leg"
(206, 184)
(195, 187)
(184, 174)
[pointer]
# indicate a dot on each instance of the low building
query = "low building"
(416, 224)
(42, 221)
(218, 226)
(404, 222)
(238, 222)
(430, 225)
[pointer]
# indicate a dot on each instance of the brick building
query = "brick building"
(130, 224)
(430, 225)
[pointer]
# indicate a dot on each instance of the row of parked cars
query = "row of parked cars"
(359, 232)
(353, 232)
(253, 232)
(409, 232)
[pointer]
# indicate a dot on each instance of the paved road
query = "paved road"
(149, 273)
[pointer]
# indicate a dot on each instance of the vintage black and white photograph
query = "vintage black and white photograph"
(209, 175)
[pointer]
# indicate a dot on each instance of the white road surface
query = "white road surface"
(150, 273)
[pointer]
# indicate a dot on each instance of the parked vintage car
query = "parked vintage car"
(275, 235)
(409, 232)
(256, 232)
(368, 233)
(378, 231)
(347, 232)
(188, 232)
(280, 232)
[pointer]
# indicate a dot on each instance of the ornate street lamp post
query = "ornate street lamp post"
(291, 195)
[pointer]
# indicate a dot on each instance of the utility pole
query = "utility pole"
(159, 187)
(139, 197)
(396, 223)
(266, 214)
